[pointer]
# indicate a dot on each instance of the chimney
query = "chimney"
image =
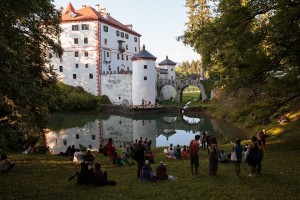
(129, 26)
(98, 6)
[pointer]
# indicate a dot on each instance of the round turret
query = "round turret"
(143, 78)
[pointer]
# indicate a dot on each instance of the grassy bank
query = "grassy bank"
(46, 177)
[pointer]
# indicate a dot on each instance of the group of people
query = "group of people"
(254, 153)
(177, 152)
(140, 151)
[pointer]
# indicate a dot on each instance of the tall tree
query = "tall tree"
(252, 46)
(29, 31)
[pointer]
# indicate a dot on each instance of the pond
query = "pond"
(93, 129)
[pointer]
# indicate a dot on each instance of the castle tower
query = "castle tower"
(143, 78)
(168, 66)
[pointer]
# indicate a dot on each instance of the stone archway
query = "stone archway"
(180, 85)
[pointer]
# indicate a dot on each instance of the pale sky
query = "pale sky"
(158, 21)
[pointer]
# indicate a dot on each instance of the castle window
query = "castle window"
(145, 66)
(77, 136)
(90, 146)
(86, 53)
(122, 57)
(171, 77)
(76, 65)
(91, 76)
(122, 34)
(76, 54)
(171, 69)
(145, 78)
(135, 39)
(86, 40)
(118, 56)
(126, 36)
(74, 76)
(105, 41)
(107, 54)
(126, 46)
(126, 57)
(75, 28)
(61, 69)
(117, 32)
(105, 28)
(135, 49)
(75, 40)
(86, 65)
(85, 27)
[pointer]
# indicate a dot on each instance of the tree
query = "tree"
(29, 31)
(251, 46)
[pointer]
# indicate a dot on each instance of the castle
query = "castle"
(103, 56)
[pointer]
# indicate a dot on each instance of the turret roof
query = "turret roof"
(167, 61)
(143, 55)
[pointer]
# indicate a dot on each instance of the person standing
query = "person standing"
(194, 157)
(261, 149)
(238, 148)
(213, 157)
(140, 157)
(110, 148)
(253, 156)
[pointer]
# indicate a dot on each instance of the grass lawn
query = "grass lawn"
(38, 176)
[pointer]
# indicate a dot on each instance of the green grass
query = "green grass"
(39, 176)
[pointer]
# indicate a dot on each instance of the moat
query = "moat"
(93, 129)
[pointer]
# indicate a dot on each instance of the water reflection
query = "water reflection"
(93, 130)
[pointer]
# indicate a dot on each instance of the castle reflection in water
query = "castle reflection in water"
(161, 130)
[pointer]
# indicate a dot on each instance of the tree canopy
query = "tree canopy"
(254, 48)
(29, 32)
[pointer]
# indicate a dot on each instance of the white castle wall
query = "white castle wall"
(111, 64)
(118, 88)
(69, 62)
(171, 71)
(167, 92)
(143, 89)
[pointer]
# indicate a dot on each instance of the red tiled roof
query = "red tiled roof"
(89, 13)
(68, 8)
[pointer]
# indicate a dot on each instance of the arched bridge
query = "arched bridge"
(180, 85)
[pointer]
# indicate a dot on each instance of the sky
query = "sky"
(158, 21)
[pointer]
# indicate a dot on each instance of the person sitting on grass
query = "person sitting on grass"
(223, 157)
(117, 160)
(5, 165)
(147, 174)
(184, 153)
(161, 171)
(178, 152)
(88, 157)
(171, 153)
(100, 175)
